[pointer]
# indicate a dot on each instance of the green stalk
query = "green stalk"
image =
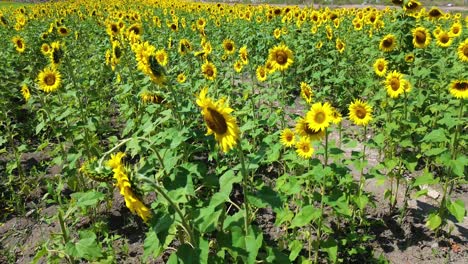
(244, 188)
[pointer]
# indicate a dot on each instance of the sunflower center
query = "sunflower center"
(63, 31)
(209, 72)
(455, 30)
(229, 47)
(420, 37)
(361, 113)
(387, 43)
(395, 84)
(20, 44)
(49, 79)
(281, 57)
(114, 29)
(289, 137)
(444, 38)
(305, 148)
(465, 50)
(135, 30)
(173, 27)
(320, 117)
(461, 86)
(380, 67)
(216, 121)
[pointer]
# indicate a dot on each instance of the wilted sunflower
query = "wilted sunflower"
(456, 29)
(304, 149)
(388, 43)
(340, 45)
(463, 51)
(302, 129)
(261, 73)
(393, 84)
(306, 92)
(25, 92)
(319, 116)
(229, 46)
(444, 39)
(459, 89)
(287, 138)
(360, 113)
(243, 55)
(49, 79)
(409, 57)
(181, 78)
(219, 121)
(209, 70)
(380, 67)
(19, 44)
(281, 57)
(421, 37)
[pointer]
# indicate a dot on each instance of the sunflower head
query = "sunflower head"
(459, 89)
(360, 113)
(412, 6)
(388, 43)
(25, 92)
(463, 51)
(444, 39)
(209, 70)
(409, 58)
(456, 29)
(243, 55)
(49, 79)
(306, 92)
(19, 44)
(340, 45)
(156, 71)
(287, 138)
(63, 31)
(435, 13)
(380, 67)
(421, 37)
(304, 148)
(281, 57)
(261, 73)
(181, 78)
(229, 46)
(319, 116)
(393, 83)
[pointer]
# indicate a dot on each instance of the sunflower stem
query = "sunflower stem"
(244, 188)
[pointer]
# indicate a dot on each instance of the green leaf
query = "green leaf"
(426, 178)
(421, 193)
(151, 246)
(361, 201)
(283, 215)
(264, 198)
(435, 136)
(253, 243)
(433, 221)
(85, 199)
(457, 209)
(434, 151)
(307, 214)
(295, 247)
(331, 247)
(86, 248)
(458, 165)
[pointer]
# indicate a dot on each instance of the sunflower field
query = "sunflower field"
(160, 131)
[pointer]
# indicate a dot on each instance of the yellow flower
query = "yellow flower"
(162, 57)
(277, 33)
(46, 49)
(421, 37)
(238, 66)
(409, 57)
(336, 116)
(229, 46)
(360, 113)
(444, 39)
(459, 89)
(340, 45)
(63, 31)
(181, 78)
(261, 73)
(456, 29)
(388, 43)
(115, 160)
(303, 130)
(19, 44)
(209, 70)
(306, 92)
(25, 92)
(435, 13)
(243, 55)
(219, 121)
(380, 67)
(304, 148)
(281, 57)
(393, 84)
(49, 79)
(463, 51)
(319, 116)
(287, 137)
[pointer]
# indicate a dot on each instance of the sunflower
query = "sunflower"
(421, 37)
(181, 78)
(306, 92)
(456, 29)
(409, 58)
(219, 121)
(162, 57)
(319, 45)
(229, 46)
(287, 138)
(56, 54)
(46, 49)
(459, 89)
(304, 148)
(412, 6)
(340, 46)
(238, 66)
(209, 70)
(269, 67)
(135, 29)
(444, 39)
(184, 46)
(380, 67)
(435, 13)
(388, 43)
(303, 130)
(463, 51)
(113, 29)
(154, 70)
(277, 33)
(360, 113)
(336, 116)
(319, 116)
(261, 73)
(406, 85)
(19, 44)
(49, 79)
(63, 31)
(393, 84)
(281, 57)
(243, 55)
(25, 92)
(150, 97)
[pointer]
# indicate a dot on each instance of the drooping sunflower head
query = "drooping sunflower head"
(393, 84)
(319, 116)
(229, 46)
(304, 148)
(219, 121)
(444, 39)
(19, 44)
(360, 113)
(49, 79)
(57, 53)
(281, 57)
(421, 37)
(463, 51)
(184, 46)
(151, 97)
(209, 70)
(306, 92)
(287, 138)
(459, 89)
(380, 67)
(388, 43)
(156, 71)
(261, 73)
